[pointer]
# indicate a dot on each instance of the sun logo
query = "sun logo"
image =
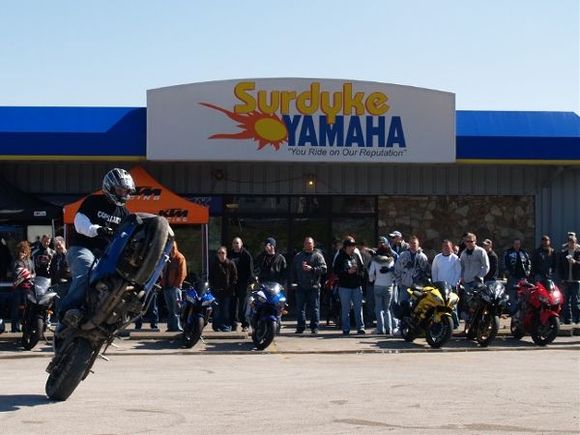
(264, 128)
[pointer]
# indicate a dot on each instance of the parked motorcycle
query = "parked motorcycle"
(538, 312)
(429, 311)
(39, 302)
(267, 303)
(485, 303)
(120, 283)
(196, 310)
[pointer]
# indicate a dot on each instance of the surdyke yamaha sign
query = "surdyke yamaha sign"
(300, 120)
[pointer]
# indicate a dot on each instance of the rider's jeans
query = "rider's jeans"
(80, 260)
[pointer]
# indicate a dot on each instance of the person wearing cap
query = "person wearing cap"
(308, 267)
(493, 261)
(569, 272)
(349, 269)
(397, 243)
(271, 266)
(544, 260)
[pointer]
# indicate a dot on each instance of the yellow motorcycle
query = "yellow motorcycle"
(429, 311)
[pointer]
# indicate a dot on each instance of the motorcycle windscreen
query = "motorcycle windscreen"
(41, 285)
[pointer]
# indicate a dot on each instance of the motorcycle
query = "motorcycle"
(485, 303)
(120, 290)
(539, 311)
(39, 301)
(428, 310)
(195, 313)
(266, 303)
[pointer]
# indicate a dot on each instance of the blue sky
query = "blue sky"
(495, 55)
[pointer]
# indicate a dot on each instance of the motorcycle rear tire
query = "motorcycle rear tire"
(31, 334)
(263, 334)
(446, 325)
(516, 330)
(65, 378)
(487, 329)
(192, 333)
(157, 230)
(544, 335)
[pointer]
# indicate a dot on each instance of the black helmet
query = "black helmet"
(118, 178)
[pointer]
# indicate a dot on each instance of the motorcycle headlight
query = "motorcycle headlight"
(207, 302)
(190, 299)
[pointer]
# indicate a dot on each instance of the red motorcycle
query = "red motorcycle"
(539, 311)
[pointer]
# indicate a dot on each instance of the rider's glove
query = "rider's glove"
(105, 231)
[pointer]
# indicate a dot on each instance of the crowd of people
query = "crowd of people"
(355, 274)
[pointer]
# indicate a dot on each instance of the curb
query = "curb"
(307, 352)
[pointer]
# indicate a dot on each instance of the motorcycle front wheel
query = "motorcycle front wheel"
(32, 332)
(144, 250)
(264, 333)
(70, 370)
(487, 329)
(192, 332)
(545, 334)
(439, 333)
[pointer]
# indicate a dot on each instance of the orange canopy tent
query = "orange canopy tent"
(152, 197)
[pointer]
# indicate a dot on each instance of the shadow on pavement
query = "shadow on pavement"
(229, 346)
(13, 402)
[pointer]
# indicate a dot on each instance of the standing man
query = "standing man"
(42, 256)
(446, 266)
(222, 280)
(517, 264)
(570, 276)
(244, 263)
(493, 261)
(59, 272)
(307, 269)
(412, 267)
(474, 261)
(397, 243)
(348, 267)
(271, 266)
(171, 282)
(544, 260)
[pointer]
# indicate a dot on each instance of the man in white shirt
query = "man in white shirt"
(446, 265)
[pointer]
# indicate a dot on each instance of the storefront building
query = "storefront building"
(291, 158)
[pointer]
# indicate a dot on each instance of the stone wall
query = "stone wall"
(434, 218)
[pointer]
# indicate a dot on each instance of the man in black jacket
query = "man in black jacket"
(308, 266)
(349, 269)
(544, 260)
(493, 261)
(570, 276)
(244, 263)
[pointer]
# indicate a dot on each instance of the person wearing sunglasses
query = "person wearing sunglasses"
(474, 262)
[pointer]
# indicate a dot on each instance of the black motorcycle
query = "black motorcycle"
(196, 311)
(120, 288)
(484, 304)
(39, 301)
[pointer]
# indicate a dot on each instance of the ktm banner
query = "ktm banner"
(152, 197)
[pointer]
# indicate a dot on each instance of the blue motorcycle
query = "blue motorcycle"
(120, 289)
(195, 313)
(267, 303)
